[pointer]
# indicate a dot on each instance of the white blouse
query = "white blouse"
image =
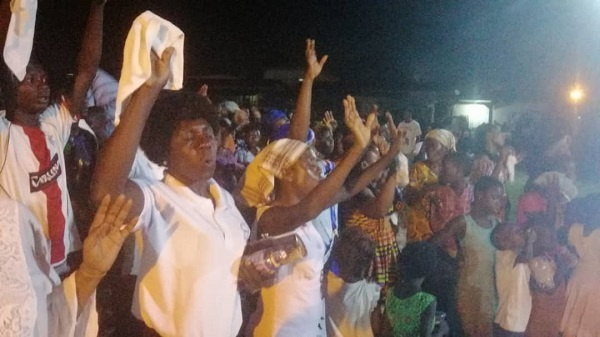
(191, 248)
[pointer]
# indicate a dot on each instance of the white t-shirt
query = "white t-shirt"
(33, 301)
(349, 307)
(409, 133)
(32, 171)
(191, 249)
(514, 295)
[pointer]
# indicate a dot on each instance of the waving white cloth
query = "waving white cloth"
(33, 302)
(148, 33)
(19, 38)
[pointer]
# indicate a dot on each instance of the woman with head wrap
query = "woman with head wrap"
(438, 143)
(284, 182)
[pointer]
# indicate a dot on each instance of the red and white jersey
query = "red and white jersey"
(32, 171)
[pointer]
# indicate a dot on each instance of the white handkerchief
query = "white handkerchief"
(148, 33)
(19, 38)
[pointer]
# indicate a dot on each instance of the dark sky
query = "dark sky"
(511, 48)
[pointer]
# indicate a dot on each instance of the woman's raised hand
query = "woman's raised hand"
(360, 130)
(313, 65)
(161, 68)
(107, 234)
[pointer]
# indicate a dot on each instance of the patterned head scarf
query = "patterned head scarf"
(443, 136)
(269, 164)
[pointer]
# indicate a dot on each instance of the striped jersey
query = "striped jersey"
(32, 171)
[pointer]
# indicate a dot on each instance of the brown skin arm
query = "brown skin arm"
(379, 206)
(5, 14)
(313, 204)
(300, 122)
(88, 59)
(117, 156)
(354, 186)
(101, 247)
(321, 196)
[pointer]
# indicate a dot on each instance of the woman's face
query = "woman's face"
(306, 172)
(253, 138)
(193, 150)
(435, 150)
(324, 142)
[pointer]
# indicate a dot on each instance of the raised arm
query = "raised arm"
(380, 205)
(5, 14)
(101, 247)
(118, 153)
(322, 195)
(300, 122)
(88, 58)
(354, 186)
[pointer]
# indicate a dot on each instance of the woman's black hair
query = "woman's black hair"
(417, 260)
(170, 109)
(356, 240)
(486, 183)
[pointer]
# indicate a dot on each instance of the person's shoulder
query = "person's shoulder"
(426, 297)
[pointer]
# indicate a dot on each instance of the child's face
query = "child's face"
(451, 172)
(491, 200)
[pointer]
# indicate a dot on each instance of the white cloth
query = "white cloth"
(409, 133)
(103, 91)
(294, 305)
(25, 179)
(187, 285)
(514, 295)
(33, 302)
(349, 307)
(19, 37)
(402, 173)
(148, 33)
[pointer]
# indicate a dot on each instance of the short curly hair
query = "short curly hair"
(417, 260)
(170, 109)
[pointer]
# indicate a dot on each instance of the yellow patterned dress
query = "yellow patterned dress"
(386, 249)
(418, 228)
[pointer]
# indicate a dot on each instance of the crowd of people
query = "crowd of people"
(396, 231)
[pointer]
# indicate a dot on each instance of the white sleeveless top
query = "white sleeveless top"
(295, 305)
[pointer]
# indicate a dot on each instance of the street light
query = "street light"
(576, 95)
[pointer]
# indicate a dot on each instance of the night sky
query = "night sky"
(510, 49)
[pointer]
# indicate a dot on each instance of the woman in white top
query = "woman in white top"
(192, 234)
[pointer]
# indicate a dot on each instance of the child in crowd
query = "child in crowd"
(514, 250)
(444, 202)
(550, 267)
(411, 312)
(351, 297)
(476, 294)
